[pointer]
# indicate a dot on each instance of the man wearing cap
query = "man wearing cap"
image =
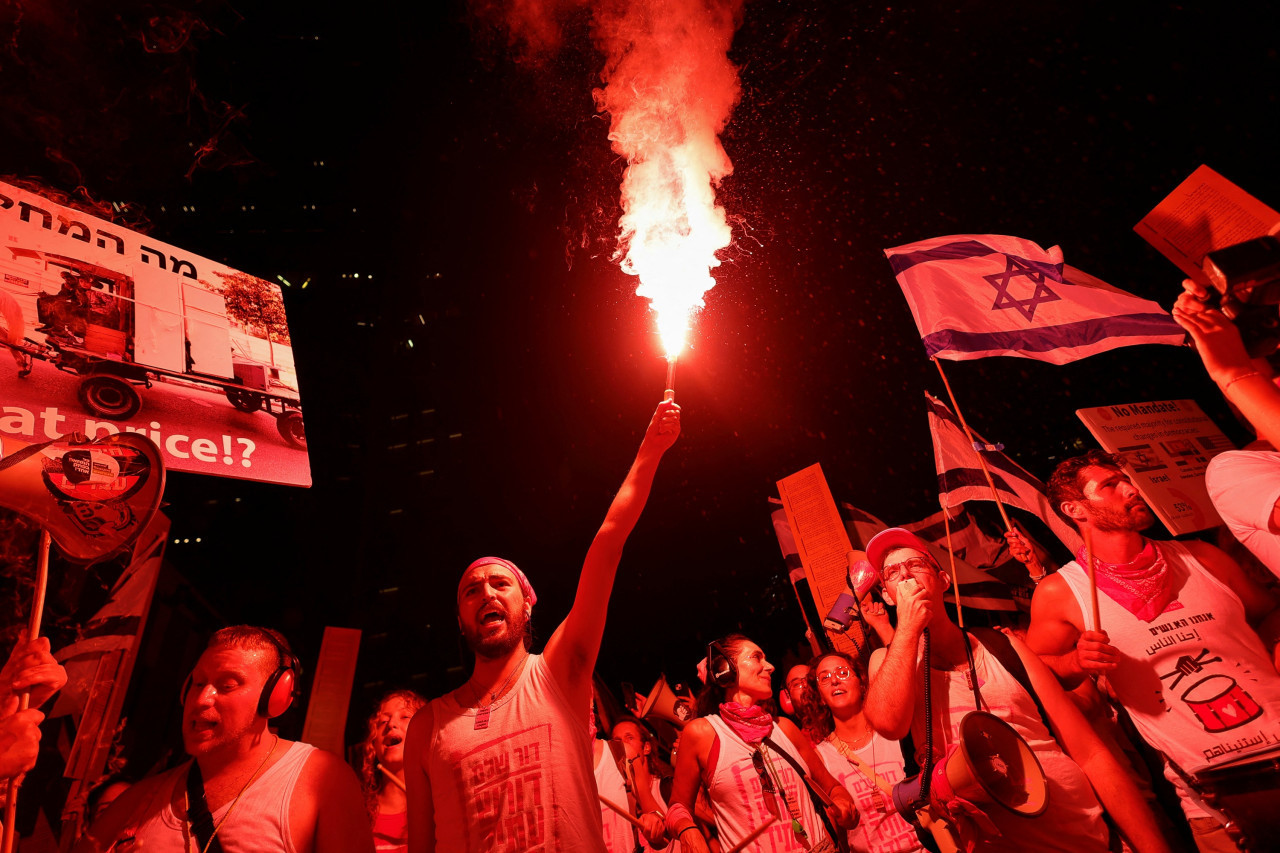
(504, 762)
(914, 584)
(1187, 642)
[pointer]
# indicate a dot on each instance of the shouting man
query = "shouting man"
(504, 762)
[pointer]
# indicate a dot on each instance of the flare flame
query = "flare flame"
(669, 89)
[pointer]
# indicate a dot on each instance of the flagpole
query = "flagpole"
(808, 629)
(809, 634)
(986, 472)
(1093, 578)
(955, 581)
(33, 631)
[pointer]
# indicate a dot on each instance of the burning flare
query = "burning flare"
(669, 89)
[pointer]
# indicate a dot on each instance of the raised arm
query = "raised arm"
(31, 667)
(1245, 382)
(1113, 783)
(19, 739)
(891, 696)
(571, 651)
(421, 810)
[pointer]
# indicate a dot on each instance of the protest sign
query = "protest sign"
(823, 546)
(1167, 445)
(111, 330)
(1205, 212)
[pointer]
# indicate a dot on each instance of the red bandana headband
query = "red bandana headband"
(530, 596)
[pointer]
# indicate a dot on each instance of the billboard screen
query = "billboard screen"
(109, 330)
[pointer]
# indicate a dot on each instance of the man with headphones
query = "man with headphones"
(503, 764)
(245, 788)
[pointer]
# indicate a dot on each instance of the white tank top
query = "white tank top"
(1196, 680)
(524, 783)
(618, 835)
(881, 829)
(259, 824)
(738, 802)
(1072, 822)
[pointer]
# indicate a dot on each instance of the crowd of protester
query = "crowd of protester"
(930, 735)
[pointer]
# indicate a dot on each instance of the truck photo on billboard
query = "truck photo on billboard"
(114, 331)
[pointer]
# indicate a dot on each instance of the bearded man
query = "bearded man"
(503, 763)
(1189, 643)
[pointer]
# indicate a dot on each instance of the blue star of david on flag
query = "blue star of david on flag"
(1043, 308)
(1016, 267)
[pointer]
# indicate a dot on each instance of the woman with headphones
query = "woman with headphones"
(763, 779)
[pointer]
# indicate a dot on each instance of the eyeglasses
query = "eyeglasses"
(899, 571)
(795, 684)
(840, 673)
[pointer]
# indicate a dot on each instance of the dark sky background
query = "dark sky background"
(480, 192)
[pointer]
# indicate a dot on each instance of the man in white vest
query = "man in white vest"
(1187, 642)
(503, 764)
(245, 788)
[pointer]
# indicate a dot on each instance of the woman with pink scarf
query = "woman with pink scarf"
(761, 774)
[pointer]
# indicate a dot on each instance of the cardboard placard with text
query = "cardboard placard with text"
(823, 545)
(106, 330)
(1167, 445)
(1204, 213)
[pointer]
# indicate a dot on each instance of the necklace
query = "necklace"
(187, 805)
(858, 742)
(482, 711)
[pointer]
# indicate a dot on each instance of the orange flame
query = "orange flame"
(669, 89)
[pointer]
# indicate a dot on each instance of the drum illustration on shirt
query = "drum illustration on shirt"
(1220, 703)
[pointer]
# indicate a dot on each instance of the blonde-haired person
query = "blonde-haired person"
(382, 769)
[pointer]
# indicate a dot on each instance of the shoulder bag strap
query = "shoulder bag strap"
(840, 839)
(198, 814)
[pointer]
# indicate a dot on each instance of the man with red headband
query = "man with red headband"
(1189, 641)
(503, 763)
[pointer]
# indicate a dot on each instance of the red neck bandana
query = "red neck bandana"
(751, 724)
(1143, 586)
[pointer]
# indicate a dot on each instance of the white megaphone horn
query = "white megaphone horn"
(663, 703)
(989, 767)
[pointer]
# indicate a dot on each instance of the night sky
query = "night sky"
(479, 191)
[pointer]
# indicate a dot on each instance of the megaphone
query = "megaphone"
(93, 497)
(663, 703)
(989, 765)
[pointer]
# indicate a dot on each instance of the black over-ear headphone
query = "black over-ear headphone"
(281, 686)
(720, 668)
